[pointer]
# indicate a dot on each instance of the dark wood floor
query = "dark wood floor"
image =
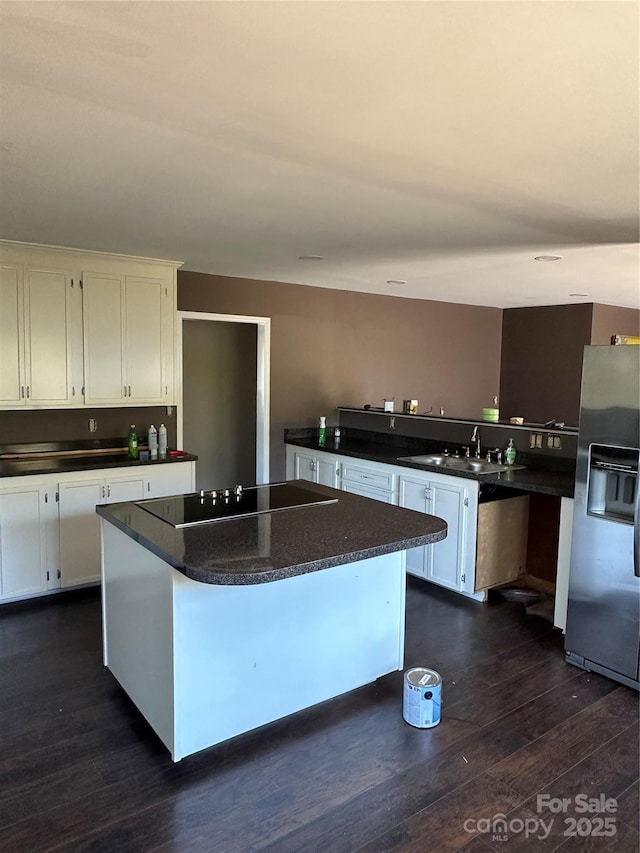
(80, 770)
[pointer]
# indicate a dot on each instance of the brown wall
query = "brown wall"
(18, 427)
(333, 347)
(611, 320)
(541, 362)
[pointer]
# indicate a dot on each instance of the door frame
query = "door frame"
(263, 387)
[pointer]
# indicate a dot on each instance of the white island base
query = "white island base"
(205, 662)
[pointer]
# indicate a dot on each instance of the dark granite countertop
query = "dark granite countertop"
(278, 545)
(28, 465)
(528, 479)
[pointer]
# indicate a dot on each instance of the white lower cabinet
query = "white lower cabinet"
(173, 479)
(49, 529)
(28, 539)
(80, 531)
(449, 562)
(80, 526)
(315, 466)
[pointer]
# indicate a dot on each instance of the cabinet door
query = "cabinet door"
(176, 478)
(12, 379)
(48, 336)
(103, 321)
(327, 472)
(23, 544)
(444, 558)
(415, 493)
(80, 531)
(144, 349)
(125, 489)
(304, 467)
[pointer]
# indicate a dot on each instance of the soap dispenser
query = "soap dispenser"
(322, 431)
(510, 453)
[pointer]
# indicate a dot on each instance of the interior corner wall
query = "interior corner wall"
(541, 361)
(609, 320)
(336, 347)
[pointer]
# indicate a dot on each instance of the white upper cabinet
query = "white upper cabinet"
(79, 328)
(103, 321)
(37, 337)
(12, 368)
(49, 336)
(146, 303)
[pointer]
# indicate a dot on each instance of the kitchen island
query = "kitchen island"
(218, 628)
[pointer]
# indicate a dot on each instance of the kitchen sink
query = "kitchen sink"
(477, 466)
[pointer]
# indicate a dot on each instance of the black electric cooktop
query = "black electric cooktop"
(222, 504)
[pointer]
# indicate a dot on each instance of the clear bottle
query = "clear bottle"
(162, 441)
(153, 442)
(510, 453)
(132, 441)
(322, 431)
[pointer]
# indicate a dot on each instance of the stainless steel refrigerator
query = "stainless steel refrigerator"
(603, 618)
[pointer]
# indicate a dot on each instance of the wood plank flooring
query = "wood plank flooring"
(81, 770)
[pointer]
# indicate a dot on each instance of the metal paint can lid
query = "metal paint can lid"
(419, 676)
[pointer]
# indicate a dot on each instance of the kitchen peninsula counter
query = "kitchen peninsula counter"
(539, 480)
(216, 629)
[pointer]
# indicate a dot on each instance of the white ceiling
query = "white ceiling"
(445, 143)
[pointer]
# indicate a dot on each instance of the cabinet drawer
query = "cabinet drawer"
(365, 492)
(369, 477)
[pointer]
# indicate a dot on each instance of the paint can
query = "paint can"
(422, 697)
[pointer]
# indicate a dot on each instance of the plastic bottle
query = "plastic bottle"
(162, 441)
(510, 453)
(322, 431)
(153, 442)
(336, 436)
(132, 441)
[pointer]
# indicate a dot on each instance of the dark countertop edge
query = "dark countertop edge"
(559, 484)
(222, 578)
(65, 464)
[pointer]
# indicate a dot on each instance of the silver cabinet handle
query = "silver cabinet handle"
(125, 390)
(28, 391)
(22, 391)
(104, 494)
(129, 390)
(108, 491)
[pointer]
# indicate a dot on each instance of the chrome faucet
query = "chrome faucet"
(475, 439)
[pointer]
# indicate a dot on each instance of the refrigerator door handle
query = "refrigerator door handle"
(636, 533)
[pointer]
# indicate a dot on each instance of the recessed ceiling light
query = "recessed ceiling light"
(397, 281)
(548, 258)
(578, 294)
(311, 257)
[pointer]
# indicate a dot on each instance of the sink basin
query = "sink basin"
(428, 459)
(477, 466)
(481, 466)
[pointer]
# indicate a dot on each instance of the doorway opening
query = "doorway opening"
(223, 411)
